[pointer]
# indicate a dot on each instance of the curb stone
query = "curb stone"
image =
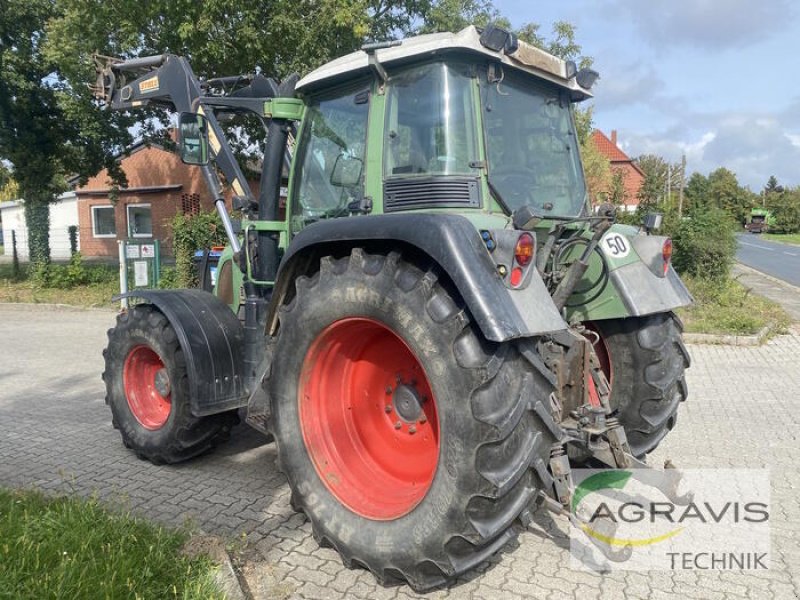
(728, 340)
(225, 576)
(42, 306)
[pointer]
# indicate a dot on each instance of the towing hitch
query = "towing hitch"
(593, 433)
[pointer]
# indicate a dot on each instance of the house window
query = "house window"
(140, 220)
(103, 225)
(190, 204)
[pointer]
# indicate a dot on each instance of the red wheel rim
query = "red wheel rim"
(368, 418)
(147, 387)
(604, 357)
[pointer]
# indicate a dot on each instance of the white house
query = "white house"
(63, 214)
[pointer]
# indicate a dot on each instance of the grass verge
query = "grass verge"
(72, 548)
(786, 238)
(99, 285)
(728, 307)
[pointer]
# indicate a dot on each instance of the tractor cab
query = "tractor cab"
(451, 122)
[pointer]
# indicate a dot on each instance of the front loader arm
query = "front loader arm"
(167, 81)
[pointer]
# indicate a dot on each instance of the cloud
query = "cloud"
(628, 84)
(709, 24)
(752, 146)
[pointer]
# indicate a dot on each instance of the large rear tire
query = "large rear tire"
(148, 392)
(645, 361)
(410, 442)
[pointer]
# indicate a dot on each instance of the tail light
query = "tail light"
(666, 253)
(523, 251)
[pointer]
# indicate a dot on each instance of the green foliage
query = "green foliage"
(724, 306)
(725, 192)
(16, 272)
(784, 204)
(72, 232)
(48, 128)
(704, 243)
(71, 275)
(190, 234)
(657, 179)
(72, 548)
(696, 192)
(168, 278)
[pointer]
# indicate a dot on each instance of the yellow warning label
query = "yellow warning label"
(148, 85)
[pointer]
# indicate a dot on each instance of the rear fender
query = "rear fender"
(450, 241)
(212, 340)
(637, 283)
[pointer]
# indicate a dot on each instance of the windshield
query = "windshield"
(430, 126)
(531, 146)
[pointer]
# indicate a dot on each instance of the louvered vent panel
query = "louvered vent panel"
(436, 192)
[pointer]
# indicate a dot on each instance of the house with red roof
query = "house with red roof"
(632, 175)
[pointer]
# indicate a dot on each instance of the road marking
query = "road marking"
(790, 253)
(757, 246)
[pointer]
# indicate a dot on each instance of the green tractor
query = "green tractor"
(437, 325)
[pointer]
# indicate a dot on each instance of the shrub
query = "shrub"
(192, 233)
(704, 244)
(72, 274)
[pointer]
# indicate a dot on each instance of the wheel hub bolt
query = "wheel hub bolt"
(161, 382)
(412, 430)
(388, 390)
(398, 425)
(423, 419)
(388, 408)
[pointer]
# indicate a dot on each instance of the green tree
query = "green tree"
(784, 204)
(44, 132)
(772, 186)
(696, 191)
(725, 192)
(9, 190)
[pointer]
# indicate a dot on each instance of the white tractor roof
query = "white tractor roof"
(527, 58)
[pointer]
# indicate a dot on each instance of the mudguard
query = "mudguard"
(637, 283)
(454, 243)
(212, 340)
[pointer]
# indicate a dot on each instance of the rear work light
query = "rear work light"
(666, 254)
(523, 251)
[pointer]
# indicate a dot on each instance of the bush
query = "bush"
(72, 274)
(704, 244)
(192, 233)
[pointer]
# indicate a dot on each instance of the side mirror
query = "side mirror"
(193, 138)
(346, 171)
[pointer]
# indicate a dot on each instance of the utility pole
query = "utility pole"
(683, 183)
(669, 185)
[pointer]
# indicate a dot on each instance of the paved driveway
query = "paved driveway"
(56, 434)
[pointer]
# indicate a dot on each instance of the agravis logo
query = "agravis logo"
(636, 519)
(614, 479)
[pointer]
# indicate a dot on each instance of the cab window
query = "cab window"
(330, 174)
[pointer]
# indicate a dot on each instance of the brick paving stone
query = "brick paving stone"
(56, 435)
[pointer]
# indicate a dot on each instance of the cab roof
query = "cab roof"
(525, 58)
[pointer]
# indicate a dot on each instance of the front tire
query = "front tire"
(368, 348)
(147, 390)
(644, 360)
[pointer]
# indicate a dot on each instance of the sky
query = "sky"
(716, 80)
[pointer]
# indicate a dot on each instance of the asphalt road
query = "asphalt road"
(773, 258)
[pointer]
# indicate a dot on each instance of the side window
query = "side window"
(330, 172)
(430, 127)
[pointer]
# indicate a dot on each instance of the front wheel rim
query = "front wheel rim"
(147, 388)
(368, 418)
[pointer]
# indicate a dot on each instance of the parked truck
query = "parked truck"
(437, 326)
(759, 221)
